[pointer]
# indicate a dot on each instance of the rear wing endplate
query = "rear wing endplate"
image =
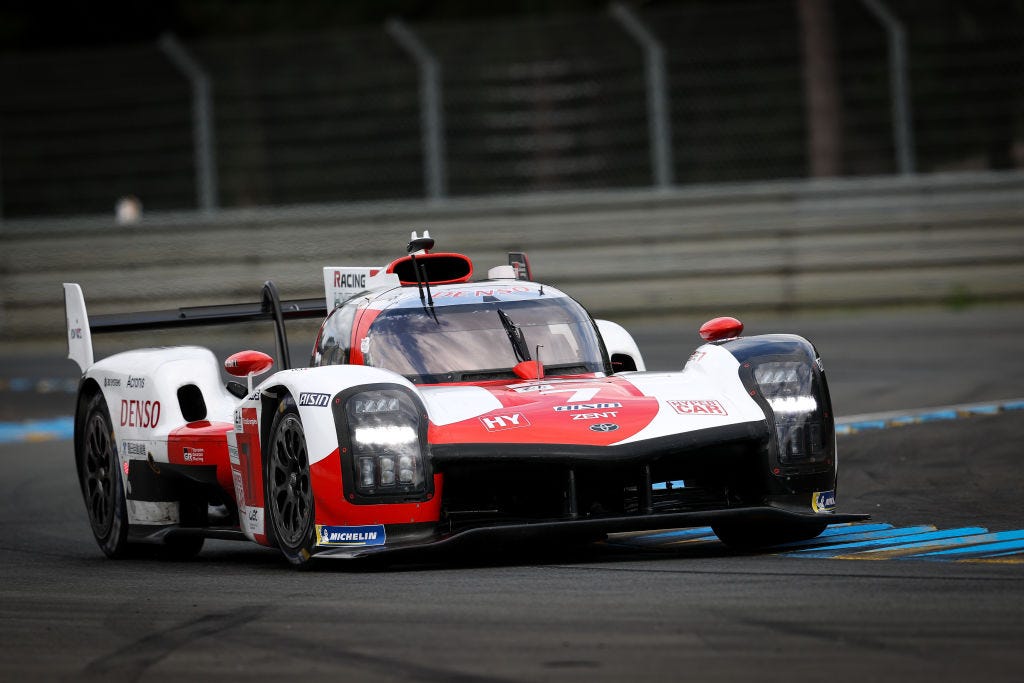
(270, 307)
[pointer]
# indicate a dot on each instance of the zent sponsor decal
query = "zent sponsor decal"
(823, 501)
(350, 535)
(603, 415)
(317, 400)
(496, 423)
(145, 414)
(707, 407)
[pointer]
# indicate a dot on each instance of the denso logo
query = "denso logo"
(140, 413)
(318, 400)
(497, 423)
(705, 407)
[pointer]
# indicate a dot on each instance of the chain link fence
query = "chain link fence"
(525, 105)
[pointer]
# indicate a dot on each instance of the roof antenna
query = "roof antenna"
(424, 244)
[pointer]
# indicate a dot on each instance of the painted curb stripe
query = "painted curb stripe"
(899, 543)
(867, 541)
(991, 544)
(44, 385)
(60, 428)
(852, 539)
(860, 423)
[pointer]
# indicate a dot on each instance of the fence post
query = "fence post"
(431, 110)
(658, 122)
(899, 85)
(1, 185)
(202, 120)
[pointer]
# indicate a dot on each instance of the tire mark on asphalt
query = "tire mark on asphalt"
(130, 662)
(832, 637)
(394, 667)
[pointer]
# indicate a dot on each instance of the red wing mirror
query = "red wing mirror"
(529, 369)
(718, 329)
(245, 363)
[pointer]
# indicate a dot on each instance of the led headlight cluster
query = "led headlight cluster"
(384, 433)
(790, 389)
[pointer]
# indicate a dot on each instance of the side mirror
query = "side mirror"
(529, 369)
(248, 364)
(718, 329)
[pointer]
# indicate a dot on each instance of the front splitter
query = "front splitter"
(583, 528)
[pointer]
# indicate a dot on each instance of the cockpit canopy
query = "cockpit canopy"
(475, 332)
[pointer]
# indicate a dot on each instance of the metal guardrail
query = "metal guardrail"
(951, 239)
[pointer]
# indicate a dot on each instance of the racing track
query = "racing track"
(634, 609)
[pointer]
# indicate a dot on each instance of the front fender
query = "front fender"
(312, 389)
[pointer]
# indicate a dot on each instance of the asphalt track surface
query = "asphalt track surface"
(627, 610)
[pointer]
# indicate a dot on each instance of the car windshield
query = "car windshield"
(481, 341)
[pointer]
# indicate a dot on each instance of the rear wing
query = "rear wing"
(270, 307)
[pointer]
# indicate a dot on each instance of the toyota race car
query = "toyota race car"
(437, 410)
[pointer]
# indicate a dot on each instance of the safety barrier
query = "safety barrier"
(949, 239)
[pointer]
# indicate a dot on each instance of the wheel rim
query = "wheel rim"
(99, 473)
(290, 499)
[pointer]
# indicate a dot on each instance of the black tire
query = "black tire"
(757, 535)
(288, 488)
(99, 474)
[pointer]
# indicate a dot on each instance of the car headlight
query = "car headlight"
(385, 450)
(792, 392)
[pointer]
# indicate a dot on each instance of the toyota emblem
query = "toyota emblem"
(604, 427)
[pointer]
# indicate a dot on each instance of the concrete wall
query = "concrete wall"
(718, 249)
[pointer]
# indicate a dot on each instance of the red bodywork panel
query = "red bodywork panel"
(332, 508)
(562, 412)
(203, 443)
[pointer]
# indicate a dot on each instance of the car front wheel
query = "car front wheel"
(289, 492)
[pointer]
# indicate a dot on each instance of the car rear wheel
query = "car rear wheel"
(289, 492)
(753, 536)
(99, 473)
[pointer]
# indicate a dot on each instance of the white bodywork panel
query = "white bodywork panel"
(710, 375)
(341, 283)
(618, 340)
(140, 389)
(77, 332)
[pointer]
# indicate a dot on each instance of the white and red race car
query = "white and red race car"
(437, 410)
